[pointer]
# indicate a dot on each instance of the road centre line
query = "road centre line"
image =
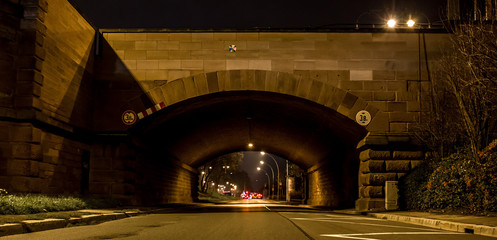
(367, 224)
(353, 235)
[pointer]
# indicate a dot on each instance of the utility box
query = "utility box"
(391, 195)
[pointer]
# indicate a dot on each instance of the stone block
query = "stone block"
(375, 85)
(248, 36)
(224, 36)
(287, 84)
(398, 165)
(157, 36)
(398, 127)
(374, 155)
(376, 179)
(282, 65)
(369, 166)
(403, 117)
(11, 229)
(237, 64)
(383, 75)
(397, 107)
(135, 36)
(407, 96)
(384, 96)
(168, 45)
(135, 54)
(416, 163)
(361, 75)
(169, 64)
(351, 85)
(42, 225)
(179, 54)
(147, 64)
(122, 45)
(201, 84)
(397, 86)
(260, 64)
(212, 82)
(408, 155)
(26, 151)
(365, 204)
(190, 45)
(371, 192)
(192, 64)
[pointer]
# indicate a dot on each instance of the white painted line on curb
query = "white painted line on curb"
(353, 235)
(367, 224)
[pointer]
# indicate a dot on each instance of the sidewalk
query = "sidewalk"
(480, 225)
(89, 217)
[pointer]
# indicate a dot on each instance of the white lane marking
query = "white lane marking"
(354, 218)
(367, 224)
(353, 235)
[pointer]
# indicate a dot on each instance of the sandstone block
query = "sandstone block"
(398, 127)
(376, 179)
(371, 192)
(416, 163)
(408, 155)
(397, 106)
(370, 204)
(398, 165)
(373, 154)
(372, 166)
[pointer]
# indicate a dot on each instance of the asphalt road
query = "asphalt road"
(241, 220)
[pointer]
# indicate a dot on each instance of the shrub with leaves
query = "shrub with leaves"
(459, 182)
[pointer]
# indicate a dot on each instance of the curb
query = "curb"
(28, 226)
(440, 224)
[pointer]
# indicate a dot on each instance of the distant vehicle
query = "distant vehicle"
(256, 195)
(245, 195)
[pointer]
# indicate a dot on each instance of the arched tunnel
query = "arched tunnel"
(191, 132)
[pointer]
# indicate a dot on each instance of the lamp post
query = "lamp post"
(272, 172)
(278, 170)
(268, 180)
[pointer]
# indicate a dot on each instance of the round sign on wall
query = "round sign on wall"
(129, 117)
(363, 117)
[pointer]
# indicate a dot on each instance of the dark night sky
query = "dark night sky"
(248, 14)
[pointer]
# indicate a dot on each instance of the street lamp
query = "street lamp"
(278, 170)
(272, 171)
(268, 180)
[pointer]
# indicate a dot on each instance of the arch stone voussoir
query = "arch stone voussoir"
(325, 94)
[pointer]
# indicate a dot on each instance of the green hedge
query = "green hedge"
(30, 203)
(456, 183)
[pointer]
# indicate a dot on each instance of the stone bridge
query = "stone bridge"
(66, 86)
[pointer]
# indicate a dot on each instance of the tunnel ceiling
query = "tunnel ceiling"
(198, 129)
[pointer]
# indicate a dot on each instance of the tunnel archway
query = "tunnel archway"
(200, 128)
(316, 137)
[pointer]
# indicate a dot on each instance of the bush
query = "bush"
(459, 182)
(28, 204)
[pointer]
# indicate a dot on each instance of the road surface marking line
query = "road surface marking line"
(353, 235)
(367, 224)
(355, 218)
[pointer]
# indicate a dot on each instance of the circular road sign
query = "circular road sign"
(363, 118)
(129, 117)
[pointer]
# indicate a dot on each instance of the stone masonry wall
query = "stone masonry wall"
(45, 87)
(385, 69)
(35, 161)
(383, 158)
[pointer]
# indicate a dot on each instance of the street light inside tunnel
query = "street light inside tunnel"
(277, 169)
